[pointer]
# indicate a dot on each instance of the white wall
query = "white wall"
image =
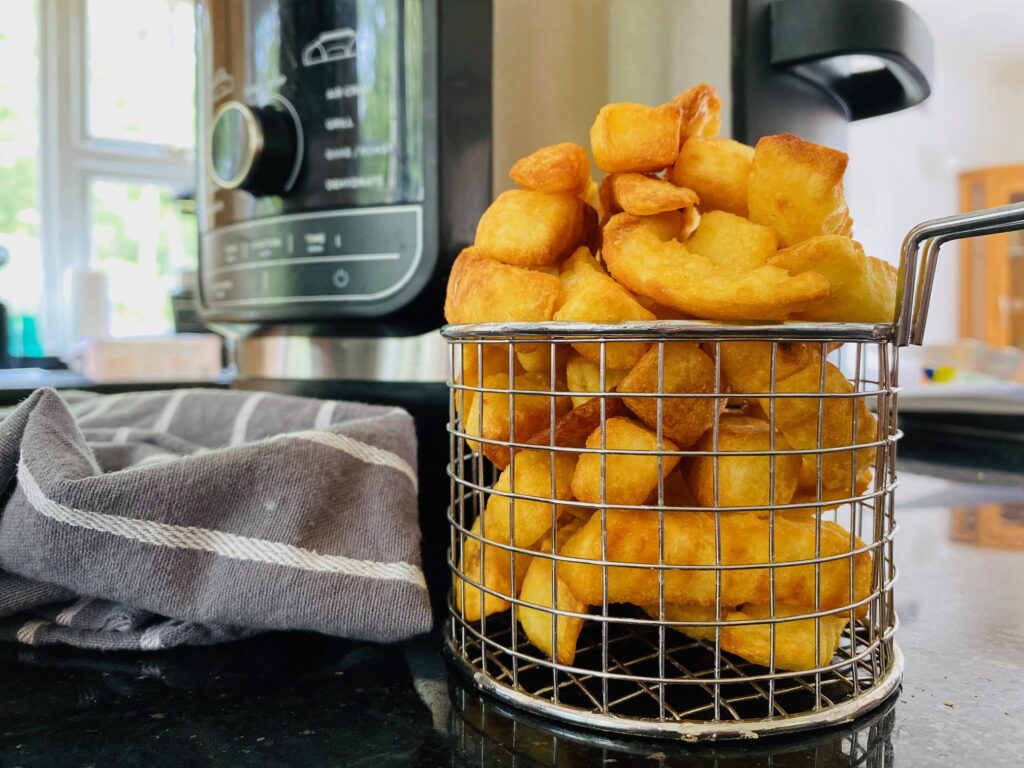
(903, 167)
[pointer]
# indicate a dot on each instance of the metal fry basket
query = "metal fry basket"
(631, 578)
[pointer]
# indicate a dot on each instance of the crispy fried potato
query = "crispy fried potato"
(629, 479)
(589, 195)
(632, 537)
(743, 481)
(495, 573)
(590, 296)
(537, 358)
(573, 429)
(539, 587)
(592, 234)
(746, 365)
(676, 491)
(685, 370)
(491, 358)
(532, 413)
(482, 290)
(796, 188)
(794, 640)
(809, 494)
(862, 289)
(531, 476)
(717, 170)
(701, 109)
(583, 375)
(557, 168)
(797, 419)
(643, 195)
(666, 271)
(732, 243)
(634, 137)
(527, 228)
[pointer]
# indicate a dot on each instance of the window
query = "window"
(97, 134)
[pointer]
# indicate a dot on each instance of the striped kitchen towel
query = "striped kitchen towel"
(152, 519)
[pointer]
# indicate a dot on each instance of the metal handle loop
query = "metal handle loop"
(914, 290)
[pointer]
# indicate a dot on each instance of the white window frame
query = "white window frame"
(70, 160)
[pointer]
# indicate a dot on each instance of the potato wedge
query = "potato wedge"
(556, 168)
(643, 195)
(794, 640)
(635, 137)
(539, 587)
(527, 228)
(685, 370)
(530, 476)
(717, 170)
(536, 358)
(532, 413)
(796, 188)
(590, 296)
(701, 109)
(689, 538)
(482, 290)
(573, 429)
(797, 419)
(629, 478)
(584, 375)
(666, 271)
(746, 365)
(494, 573)
(743, 481)
(862, 289)
(732, 243)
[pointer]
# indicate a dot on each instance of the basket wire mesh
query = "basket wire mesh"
(723, 666)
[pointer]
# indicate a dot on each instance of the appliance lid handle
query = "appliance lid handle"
(872, 56)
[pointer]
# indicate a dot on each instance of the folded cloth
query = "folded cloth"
(152, 519)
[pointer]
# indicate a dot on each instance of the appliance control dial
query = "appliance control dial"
(253, 148)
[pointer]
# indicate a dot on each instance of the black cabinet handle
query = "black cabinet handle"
(828, 42)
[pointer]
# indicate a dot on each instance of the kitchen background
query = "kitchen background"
(97, 152)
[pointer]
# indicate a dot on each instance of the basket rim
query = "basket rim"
(704, 330)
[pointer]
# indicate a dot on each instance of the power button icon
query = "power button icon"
(341, 277)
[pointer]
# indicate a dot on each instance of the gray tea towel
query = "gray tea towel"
(153, 519)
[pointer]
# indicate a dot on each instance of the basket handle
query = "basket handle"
(914, 285)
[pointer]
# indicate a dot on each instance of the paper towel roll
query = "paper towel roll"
(90, 307)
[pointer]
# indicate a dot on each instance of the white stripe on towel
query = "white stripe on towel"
(228, 545)
(242, 417)
(365, 452)
(323, 415)
(163, 421)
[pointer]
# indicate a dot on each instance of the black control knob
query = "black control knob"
(253, 148)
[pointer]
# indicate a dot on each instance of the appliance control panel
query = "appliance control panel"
(332, 257)
(317, 122)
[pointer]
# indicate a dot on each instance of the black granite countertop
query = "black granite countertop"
(294, 699)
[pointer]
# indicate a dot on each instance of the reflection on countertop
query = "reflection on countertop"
(309, 700)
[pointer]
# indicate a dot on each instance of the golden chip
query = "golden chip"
(717, 170)
(527, 228)
(628, 479)
(701, 109)
(643, 195)
(743, 481)
(482, 290)
(558, 168)
(862, 289)
(634, 137)
(532, 412)
(584, 375)
(732, 242)
(796, 188)
(590, 296)
(666, 271)
(685, 369)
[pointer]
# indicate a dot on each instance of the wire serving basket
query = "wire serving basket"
(734, 587)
